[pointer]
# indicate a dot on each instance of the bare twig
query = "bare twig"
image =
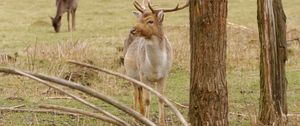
(240, 26)
(77, 111)
(58, 98)
(295, 39)
(89, 91)
(180, 105)
(293, 115)
(15, 98)
(164, 99)
(18, 106)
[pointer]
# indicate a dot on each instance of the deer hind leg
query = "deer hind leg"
(73, 19)
(161, 105)
(68, 18)
(147, 96)
(147, 100)
(140, 97)
(136, 97)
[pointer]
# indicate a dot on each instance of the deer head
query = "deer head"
(149, 23)
(56, 23)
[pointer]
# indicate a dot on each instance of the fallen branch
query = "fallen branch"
(86, 90)
(8, 109)
(77, 111)
(164, 99)
(74, 97)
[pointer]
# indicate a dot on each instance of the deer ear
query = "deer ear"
(160, 16)
(51, 18)
(136, 14)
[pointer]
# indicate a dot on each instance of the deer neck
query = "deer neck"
(60, 9)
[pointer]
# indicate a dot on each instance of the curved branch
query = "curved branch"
(75, 97)
(77, 111)
(164, 99)
(89, 91)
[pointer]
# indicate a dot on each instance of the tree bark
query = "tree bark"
(272, 33)
(208, 93)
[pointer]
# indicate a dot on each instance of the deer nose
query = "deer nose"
(133, 30)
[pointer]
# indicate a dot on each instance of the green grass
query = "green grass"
(102, 26)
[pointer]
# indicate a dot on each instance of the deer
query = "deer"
(63, 6)
(148, 55)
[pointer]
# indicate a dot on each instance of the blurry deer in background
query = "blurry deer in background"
(148, 55)
(63, 6)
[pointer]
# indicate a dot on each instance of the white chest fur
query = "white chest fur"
(155, 64)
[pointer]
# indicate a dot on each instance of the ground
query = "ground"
(28, 42)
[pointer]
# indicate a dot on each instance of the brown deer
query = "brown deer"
(148, 55)
(63, 6)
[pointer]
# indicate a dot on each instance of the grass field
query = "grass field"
(102, 25)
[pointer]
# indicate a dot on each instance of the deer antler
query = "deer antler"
(145, 3)
(177, 8)
(139, 7)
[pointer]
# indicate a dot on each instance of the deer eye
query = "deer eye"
(150, 22)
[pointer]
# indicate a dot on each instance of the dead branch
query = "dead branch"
(293, 115)
(86, 90)
(58, 98)
(77, 111)
(18, 106)
(8, 109)
(295, 39)
(164, 99)
(180, 105)
(15, 98)
(240, 26)
(74, 97)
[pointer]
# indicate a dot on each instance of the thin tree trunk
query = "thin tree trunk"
(208, 93)
(273, 83)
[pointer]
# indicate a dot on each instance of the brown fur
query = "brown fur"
(148, 58)
(63, 6)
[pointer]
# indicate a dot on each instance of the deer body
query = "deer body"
(149, 60)
(63, 6)
(148, 55)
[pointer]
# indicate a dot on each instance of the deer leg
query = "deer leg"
(68, 18)
(140, 97)
(73, 19)
(136, 98)
(161, 88)
(147, 96)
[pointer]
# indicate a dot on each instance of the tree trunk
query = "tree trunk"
(273, 83)
(208, 93)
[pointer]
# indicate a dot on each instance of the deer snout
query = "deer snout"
(133, 30)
